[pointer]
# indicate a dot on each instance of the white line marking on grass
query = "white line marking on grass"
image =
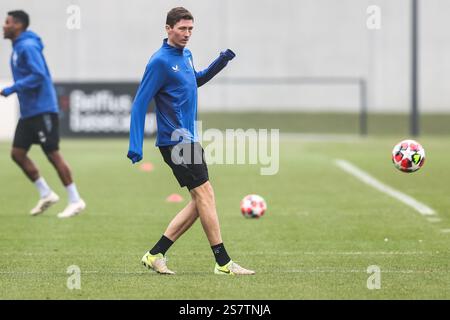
(359, 271)
(365, 253)
(434, 219)
(368, 179)
(82, 272)
(252, 253)
(445, 230)
(196, 272)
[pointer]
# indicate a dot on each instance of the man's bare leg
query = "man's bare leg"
(20, 157)
(202, 205)
(182, 221)
(154, 259)
(61, 166)
(76, 204)
(205, 202)
(203, 196)
(47, 196)
(179, 225)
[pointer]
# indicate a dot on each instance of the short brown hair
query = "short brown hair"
(177, 14)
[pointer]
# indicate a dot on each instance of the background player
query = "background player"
(38, 123)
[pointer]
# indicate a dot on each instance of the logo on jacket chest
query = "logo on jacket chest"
(14, 59)
(176, 67)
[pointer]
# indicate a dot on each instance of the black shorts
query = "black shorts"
(187, 162)
(42, 129)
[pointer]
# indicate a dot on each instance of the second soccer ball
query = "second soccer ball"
(408, 156)
(253, 206)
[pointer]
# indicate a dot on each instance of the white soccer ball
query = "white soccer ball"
(408, 156)
(253, 206)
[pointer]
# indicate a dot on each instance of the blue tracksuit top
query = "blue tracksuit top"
(32, 80)
(170, 78)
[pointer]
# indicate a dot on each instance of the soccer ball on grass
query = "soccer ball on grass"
(408, 156)
(253, 206)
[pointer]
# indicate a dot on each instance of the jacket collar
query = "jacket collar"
(178, 51)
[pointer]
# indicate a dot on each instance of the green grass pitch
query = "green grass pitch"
(321, 231)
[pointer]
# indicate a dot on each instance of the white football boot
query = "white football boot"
(232, 269)
(44, 203)
(156, 262)
(73, 209)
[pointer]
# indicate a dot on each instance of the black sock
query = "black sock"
(161, 246)
(220, 254)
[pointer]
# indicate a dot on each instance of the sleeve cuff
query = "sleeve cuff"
(134, 157)
(8, 91)
(228, 54)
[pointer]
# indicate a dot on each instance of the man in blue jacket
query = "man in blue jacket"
(38, 123)
(171, 79)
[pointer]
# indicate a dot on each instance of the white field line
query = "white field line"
(368, 179)
(445, 230)
(362, 271)
(254, 253)
(189, 272)
(342, 253)
(374, 253)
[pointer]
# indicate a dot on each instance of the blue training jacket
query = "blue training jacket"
(170, 78)
(33, 83)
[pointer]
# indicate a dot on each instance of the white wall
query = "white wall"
(8, 114)
(271, 38)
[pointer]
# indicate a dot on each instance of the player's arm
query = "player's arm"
(36, 65)
(152, 81)
(214, 68)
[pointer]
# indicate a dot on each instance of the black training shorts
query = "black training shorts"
(41, 129)
(187, 162)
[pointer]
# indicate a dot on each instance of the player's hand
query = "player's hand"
(228, 54)
(6, 92)
(134, 157)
